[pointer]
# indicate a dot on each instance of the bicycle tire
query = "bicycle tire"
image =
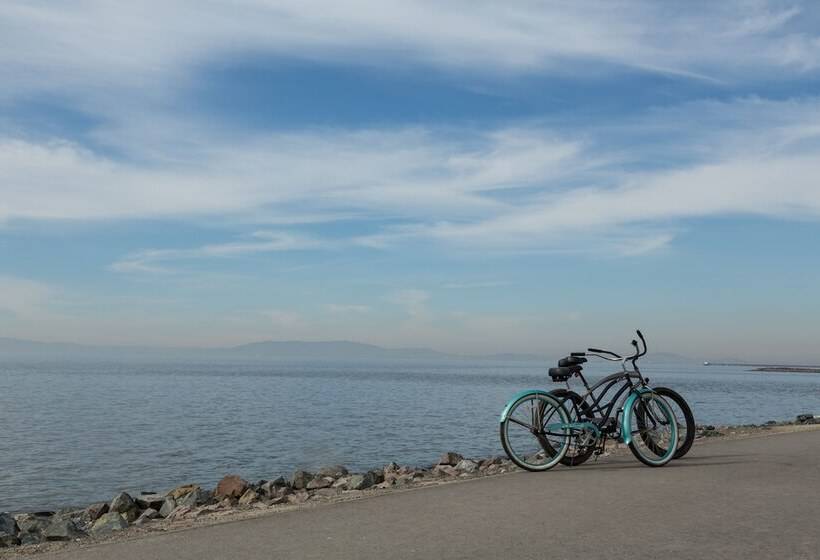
(664, 455)
(685, 443)
(509, 448)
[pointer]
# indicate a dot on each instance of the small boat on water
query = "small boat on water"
(706, 363)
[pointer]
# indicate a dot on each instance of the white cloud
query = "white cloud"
(285, 319)
(474, 285)
(348, 308)
(779, 187)
(150, 260)
(523, 188)
(97, 47)
(413, 301)
(23, 298)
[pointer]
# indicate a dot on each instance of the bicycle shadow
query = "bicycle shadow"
(702, 461)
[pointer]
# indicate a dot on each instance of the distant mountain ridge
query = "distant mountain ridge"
(333, 348)
(268, 349)
(339, 349)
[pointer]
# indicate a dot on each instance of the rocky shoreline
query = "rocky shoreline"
(31, 532)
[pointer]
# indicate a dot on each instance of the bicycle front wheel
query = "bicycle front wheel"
(654, 431)
(534, 433)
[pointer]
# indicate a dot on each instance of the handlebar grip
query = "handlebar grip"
(640, 335)
(578, 354)
(596, 350)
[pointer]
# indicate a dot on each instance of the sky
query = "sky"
(468, 176)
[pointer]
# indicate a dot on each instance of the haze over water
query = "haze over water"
(78, 432)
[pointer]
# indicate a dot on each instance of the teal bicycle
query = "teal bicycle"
(540, 429)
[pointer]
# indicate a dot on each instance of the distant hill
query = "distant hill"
(337, 349)
(329, 349)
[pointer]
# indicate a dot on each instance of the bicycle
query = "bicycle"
(538, 428)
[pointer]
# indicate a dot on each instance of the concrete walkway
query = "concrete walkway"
(749, 499)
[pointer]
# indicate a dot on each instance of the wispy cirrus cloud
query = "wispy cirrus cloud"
(348, 308)
(518, 188)
(154, 260)
(93, 44)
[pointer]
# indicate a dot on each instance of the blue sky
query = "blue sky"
(467, 176)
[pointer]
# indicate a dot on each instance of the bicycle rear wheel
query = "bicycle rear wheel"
(531, 432)
(683, 415)
(653, 429)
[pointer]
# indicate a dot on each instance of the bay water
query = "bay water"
(76, 432)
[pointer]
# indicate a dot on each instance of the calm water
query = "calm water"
(71, 434)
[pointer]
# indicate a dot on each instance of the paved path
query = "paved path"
(749, 499)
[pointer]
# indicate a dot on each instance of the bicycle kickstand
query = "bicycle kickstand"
(601, 449)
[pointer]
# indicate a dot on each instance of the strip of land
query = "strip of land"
(785, 369)
(752, 497)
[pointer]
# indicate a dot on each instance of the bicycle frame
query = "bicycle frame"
(622, 400)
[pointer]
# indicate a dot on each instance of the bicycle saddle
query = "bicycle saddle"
(571, 361)
(563, 373)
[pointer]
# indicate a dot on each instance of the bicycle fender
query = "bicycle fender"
(626, 435)
(524, 393)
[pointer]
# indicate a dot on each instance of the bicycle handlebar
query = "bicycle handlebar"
(599, 351)
(638, 351)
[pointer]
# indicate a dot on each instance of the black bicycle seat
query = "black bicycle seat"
(563, 373)
(571, 361)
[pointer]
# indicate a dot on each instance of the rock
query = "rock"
(180, 512)
(198, 497)
(125, 505)
(341, 482)
(231, 486)
(269, 487)
(167, 507)
(445, 470)
(181, 491)
(29, 538)
(150, 500)
(282, 492)
(334, 472)
(94, 511)
(31, 526)
(808, 419)
(62, 530)
(249, 497)
(146, 516)
(390, 468)
(300, 479)
(326, 492)
(274, 488)
(8, 530)
(450, 458)
(378, 476)
(207, 510)
(109, 523)
(299, 497)
(320, 482)
(467, 466)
